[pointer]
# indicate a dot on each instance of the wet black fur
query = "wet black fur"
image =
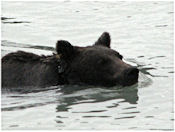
(28, 69)
(95, 65)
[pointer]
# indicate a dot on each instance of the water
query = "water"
(141, 31)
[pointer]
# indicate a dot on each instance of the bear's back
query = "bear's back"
(20, 56)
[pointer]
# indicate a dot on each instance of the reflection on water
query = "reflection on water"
(95, 95)
(68, 95)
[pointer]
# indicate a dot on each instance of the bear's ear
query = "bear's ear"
(65, 49)
(104, 40)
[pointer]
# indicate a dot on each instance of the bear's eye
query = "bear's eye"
(102, 61)
(120, 56)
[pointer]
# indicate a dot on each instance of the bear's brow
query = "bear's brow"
(91, 50)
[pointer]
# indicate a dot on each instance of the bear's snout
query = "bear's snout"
(130, 76)
(131, 72)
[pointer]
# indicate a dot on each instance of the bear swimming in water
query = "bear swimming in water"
(97, 65)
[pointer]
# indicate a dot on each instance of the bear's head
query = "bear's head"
(96, 65)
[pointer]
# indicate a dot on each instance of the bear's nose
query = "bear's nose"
(130, 75)
(132, 71)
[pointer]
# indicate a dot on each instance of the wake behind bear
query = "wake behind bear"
(97, 65)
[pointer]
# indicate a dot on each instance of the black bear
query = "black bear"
(92, 65)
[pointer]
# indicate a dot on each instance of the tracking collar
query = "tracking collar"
(60, 64)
